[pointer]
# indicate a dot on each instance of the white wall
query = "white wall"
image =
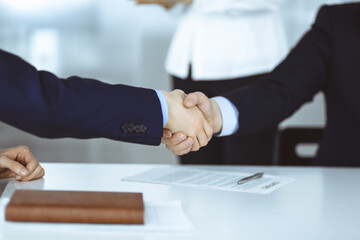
(117, 42)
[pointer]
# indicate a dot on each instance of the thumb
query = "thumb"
(167, 133)
(191, 100)
(201, 101)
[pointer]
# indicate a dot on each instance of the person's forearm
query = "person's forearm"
(295, 81)
(40, 103)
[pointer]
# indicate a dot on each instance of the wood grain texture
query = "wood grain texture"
(76, 207)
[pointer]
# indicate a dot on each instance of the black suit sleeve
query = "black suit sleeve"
(40, 103)
(295, 81)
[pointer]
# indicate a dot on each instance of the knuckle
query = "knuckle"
(210, 131)
(198, 128)
(13, 165)
(172, 141)
(196, 148)
(179, 91)
(24, 148)
(165, 140)
(176, 153)
(200, 94)
(185, 152)
(191, 134)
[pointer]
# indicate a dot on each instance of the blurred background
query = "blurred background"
(115, 41)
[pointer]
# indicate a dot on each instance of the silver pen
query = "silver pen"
(249, 178)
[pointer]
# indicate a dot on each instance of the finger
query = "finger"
(31, 166)
(208, 131)
(7, 174)
(202, 102)
(181, 147)
(38, 173)
(167, 133)
(202, 138)
(196, 145)
(195, 98)
(179, 92)
(21, 154)
(186, 151)
(28, 159)
(13, 166)
(175, 139)
(191, 100)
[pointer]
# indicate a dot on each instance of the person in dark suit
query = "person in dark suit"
(326, 59)
(40, 103)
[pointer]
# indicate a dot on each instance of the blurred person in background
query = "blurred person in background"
(220, 45)
(325, 59)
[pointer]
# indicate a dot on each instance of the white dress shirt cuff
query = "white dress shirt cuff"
(164, 106)
(229, 114)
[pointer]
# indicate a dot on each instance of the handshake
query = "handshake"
(192, 120)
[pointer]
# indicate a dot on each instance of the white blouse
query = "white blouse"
(224, 39)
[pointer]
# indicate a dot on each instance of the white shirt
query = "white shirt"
(230, 116)
(225, 39)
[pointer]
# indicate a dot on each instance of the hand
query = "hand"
(18, 162)
(190, 120)
(178, 143)
(208, 107)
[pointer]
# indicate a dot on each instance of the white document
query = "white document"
(210, 179)
(167, 217)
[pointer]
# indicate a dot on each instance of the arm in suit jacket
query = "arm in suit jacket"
(40, 103)
(295, 81)
(326, 59)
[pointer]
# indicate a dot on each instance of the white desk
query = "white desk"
(322, 203)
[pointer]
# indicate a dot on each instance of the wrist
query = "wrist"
(166, 95)
(217, 121)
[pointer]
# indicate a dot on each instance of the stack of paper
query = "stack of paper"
(210, 179)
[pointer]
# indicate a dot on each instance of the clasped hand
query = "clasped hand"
(18, 162)
(192, 121)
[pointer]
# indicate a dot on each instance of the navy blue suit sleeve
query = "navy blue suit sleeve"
(302, 74)
(40, 103)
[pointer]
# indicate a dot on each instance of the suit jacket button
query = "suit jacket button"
(131, 127)
(124, 128)
(137, 128)
(143, 128)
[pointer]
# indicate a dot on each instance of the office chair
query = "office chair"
(290, 138)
